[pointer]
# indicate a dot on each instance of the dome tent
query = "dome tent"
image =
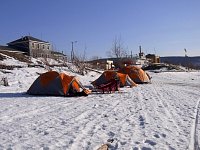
(136, 74)
(109, 75)
(57, 84)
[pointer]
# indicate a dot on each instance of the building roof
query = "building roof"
(57, 53)
(27, 38)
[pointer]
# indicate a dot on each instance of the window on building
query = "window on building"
(47, 47)
(43, 47)
(38, 46)
(33, 45)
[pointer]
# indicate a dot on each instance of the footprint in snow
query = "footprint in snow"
(142, 148)
(156, 136)
(163, 135)
(160, 135)
(95, 106)
(145, 148)
(111, 134)
(45, 148)
(142, 121)
(110, 140)
(150, 142)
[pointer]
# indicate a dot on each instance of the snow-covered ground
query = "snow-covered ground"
(163, 115)
(11, 61)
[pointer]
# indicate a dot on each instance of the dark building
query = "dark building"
(31, 46)
(6, 48)
(152, 58)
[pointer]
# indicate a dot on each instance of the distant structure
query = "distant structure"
(141, 54)
(34, 47)
(152, 58)
(31, 46)
(185, 52)
(104, 64)
(141, 60)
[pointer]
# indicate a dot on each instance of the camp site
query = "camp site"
(102, 109)
(99, 74)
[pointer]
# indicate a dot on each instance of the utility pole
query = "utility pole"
(185, 52)
(72, 51)
(140, 53)
(131, 54)
(186, 59)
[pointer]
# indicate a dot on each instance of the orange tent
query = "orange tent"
(109, 75)
(136, 74)
(58, 84)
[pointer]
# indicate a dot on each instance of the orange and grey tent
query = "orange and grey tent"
(109, 75)
(136, 74)
(58, 84)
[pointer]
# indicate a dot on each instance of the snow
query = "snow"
(11, 61)
(50, 61)
(162, 115)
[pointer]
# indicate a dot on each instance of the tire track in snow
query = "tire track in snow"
(161, 117)
(95, 129)
(164, 104)
(194, 144)
(190, 93)
(150, 105)
(92, 126)
(39, 116)
(158, 104)
(41, 110)
(143, 117)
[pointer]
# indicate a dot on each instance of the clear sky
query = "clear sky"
(164, 27)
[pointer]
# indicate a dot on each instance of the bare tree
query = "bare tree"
(79, 62)
(117, 49)
(95, 58)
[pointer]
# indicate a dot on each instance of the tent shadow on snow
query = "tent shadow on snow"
(11, 95)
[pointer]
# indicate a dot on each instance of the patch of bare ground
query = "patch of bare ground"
(16, 55)
(2, 57)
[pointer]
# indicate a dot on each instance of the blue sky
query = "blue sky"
(164, 27)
